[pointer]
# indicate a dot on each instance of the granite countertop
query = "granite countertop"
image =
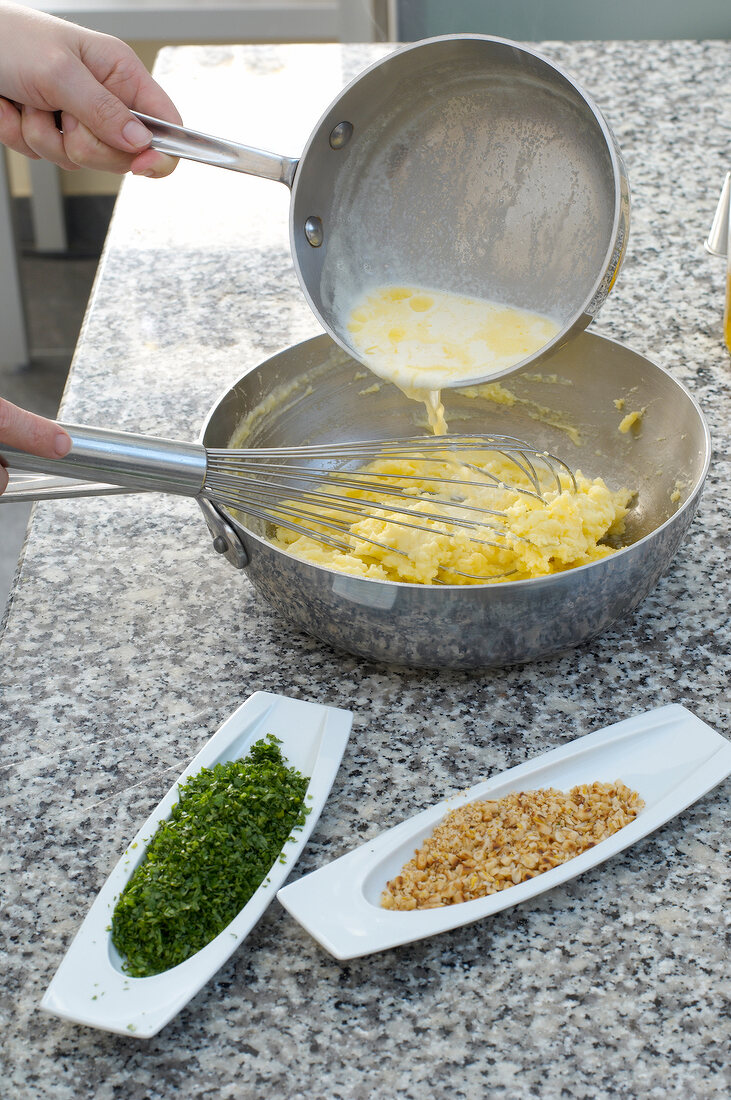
(128, 641)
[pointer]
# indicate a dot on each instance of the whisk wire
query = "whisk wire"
(285, 513)
(315, 492)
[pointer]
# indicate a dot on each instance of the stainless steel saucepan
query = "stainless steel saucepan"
(462, 163)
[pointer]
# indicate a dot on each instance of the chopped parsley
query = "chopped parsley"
(208, 858)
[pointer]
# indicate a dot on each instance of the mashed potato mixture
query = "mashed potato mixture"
(487, 533)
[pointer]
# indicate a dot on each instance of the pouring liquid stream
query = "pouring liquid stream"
(425, 340)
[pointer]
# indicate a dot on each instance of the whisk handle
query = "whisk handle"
(121, 458)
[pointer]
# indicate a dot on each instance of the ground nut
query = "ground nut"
(484, 847)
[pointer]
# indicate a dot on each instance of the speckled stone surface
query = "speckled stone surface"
(127, 642)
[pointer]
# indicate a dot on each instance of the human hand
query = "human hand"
(29, 432)
(49, 66)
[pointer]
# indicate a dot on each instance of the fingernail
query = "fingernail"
(136, 134)
(69, 124)
(62, 444)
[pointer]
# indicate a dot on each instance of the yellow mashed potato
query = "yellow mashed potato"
(631, 419)
(529, 538)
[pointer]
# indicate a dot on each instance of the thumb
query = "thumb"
(29, 432)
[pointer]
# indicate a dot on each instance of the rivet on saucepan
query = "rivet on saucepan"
(220, 545)
(314, 232)
(340, 135)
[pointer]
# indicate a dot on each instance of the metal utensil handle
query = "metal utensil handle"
(178, 141)
(135, 461)
(24, 487)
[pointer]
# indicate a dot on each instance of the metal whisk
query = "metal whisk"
(304, 489)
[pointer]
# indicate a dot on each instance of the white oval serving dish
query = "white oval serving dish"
(668, 755)
(90, 986)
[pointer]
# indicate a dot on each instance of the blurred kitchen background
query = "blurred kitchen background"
(53, 224)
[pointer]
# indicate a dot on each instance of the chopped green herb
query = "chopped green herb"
(208, 858)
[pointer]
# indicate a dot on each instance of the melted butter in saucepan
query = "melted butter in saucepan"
(424, 340)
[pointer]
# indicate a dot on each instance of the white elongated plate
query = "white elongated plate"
(90, 986)
(668, 755)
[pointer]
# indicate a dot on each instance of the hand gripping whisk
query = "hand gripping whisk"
(305, 489)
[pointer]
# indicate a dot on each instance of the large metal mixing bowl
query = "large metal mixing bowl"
(313, 393)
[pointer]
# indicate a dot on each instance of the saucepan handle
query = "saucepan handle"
(178, 141)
